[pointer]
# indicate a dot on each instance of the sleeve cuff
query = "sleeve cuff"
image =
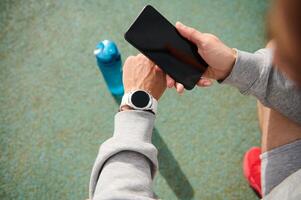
(133, 132)
(247, 69)
(134, 124)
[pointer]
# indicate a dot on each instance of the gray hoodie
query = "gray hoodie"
(127, 163)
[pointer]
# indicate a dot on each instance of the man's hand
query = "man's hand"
(140, 73)
(219, 57)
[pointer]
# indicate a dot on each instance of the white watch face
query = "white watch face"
(140, 99)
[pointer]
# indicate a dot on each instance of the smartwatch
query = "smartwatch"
(139, 100)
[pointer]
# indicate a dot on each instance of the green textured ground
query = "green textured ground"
(55, 109)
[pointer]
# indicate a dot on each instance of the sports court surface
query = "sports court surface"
(55, 109)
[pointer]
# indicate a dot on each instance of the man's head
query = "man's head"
(285, 24)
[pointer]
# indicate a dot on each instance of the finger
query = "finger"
(129, 58)
(204, 82)
(141, 55)
(169, 81)
(180, 88)
(158, 69)
(190, 33)
(146, 59)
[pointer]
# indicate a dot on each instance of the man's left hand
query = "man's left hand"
(139, 73)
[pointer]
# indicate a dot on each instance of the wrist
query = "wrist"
(128, 108)
(125, 108)
(153, 92)
(232, 60)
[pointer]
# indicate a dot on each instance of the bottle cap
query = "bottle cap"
(106, 51)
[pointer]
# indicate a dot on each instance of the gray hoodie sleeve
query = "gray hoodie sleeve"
(126, 163)
(254, 74)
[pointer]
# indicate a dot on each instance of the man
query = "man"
(127, 162)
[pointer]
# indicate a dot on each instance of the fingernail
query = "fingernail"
(179, 24)
(207, 83)
(172, 83)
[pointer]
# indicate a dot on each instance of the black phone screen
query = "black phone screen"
(160, 41)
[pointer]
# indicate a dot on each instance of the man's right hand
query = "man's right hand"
(219, 57)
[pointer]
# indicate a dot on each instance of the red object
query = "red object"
(252, 169)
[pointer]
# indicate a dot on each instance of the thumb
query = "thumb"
(204, 82)
(209, 73)
(206, 79)
(189, 33)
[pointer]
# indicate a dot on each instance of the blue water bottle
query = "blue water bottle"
(109, 62)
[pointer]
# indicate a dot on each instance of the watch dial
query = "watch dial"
(140, 99)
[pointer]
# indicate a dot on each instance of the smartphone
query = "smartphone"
(156, 38)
